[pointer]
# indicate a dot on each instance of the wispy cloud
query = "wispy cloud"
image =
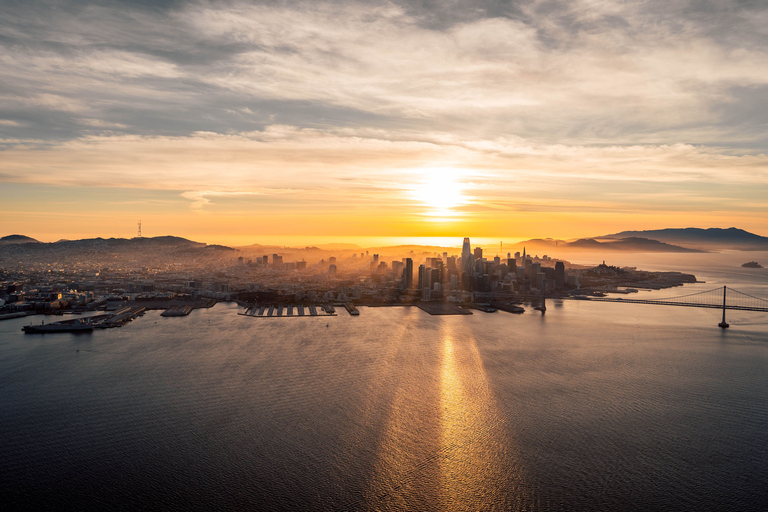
(220, 100)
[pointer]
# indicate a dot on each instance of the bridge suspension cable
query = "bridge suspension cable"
(717, 298)
(733, 298)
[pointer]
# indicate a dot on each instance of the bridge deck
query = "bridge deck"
(667, 303)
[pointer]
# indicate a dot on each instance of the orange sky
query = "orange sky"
(235, 122)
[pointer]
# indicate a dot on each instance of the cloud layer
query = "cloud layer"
(588, 105)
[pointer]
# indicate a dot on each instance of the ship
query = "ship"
(752, 264)
(79, 325)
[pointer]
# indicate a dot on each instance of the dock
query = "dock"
(291, 311)
(509, 308)
(120, 317)
(177, 311)
(8, 316)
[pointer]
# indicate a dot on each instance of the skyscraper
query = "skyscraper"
(408, 274)
(467, 262)
(559, 274)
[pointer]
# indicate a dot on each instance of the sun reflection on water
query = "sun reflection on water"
(443, 444)
(478, 468)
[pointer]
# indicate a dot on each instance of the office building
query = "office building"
(408, 274)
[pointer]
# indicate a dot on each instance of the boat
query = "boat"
(79, 325)
(752, 264)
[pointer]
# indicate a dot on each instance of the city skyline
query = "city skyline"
(241, 122)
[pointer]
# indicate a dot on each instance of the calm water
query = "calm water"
(594, 406)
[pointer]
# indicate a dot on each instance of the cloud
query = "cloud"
(344, 104)
(287, 167)
(580, 70)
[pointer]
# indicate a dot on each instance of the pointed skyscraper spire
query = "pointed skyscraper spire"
(466, 256)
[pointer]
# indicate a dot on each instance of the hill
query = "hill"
(629, 244)
(112, 251)
(17, 239)
(711, 238)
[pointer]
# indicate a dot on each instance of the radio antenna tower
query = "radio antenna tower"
(139, 229)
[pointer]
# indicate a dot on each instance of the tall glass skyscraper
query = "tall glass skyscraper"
(467, 262)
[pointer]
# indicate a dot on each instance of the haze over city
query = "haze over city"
(293, 122)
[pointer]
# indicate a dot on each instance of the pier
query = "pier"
(177, 311)
(119, 318)
(509, 308)
(275, 311)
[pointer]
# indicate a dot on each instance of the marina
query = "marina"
(290, 310)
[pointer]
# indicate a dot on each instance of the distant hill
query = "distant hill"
(127, 243)
(109, 251)
(712, 238)
(17, 239)
(640, 244)
(629, 244)
(589, 244)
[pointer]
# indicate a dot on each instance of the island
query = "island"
(752, 264)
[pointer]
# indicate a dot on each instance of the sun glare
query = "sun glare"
(441, 192)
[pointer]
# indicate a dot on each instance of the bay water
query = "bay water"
(591, 406)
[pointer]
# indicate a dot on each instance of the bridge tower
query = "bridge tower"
(543, 306)
(723, 324)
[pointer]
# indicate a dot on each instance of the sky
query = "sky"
(249, 122)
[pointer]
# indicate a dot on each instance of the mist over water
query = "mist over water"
(593, 406)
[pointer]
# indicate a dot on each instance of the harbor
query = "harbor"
(289, 310)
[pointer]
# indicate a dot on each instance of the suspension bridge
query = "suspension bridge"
(717, 298)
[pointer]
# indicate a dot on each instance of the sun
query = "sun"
(441, 192)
